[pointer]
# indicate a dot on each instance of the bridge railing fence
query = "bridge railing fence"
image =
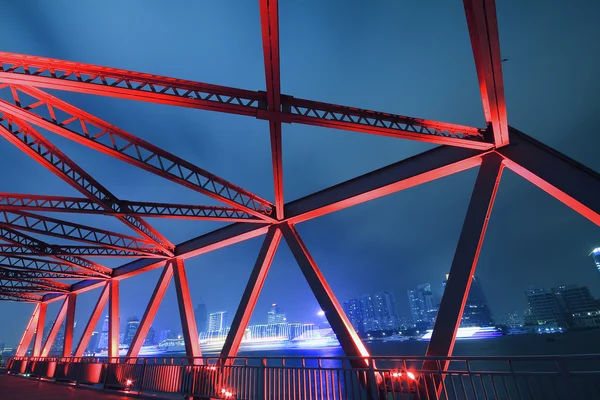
(330, 378)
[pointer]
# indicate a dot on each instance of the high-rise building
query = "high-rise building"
(132, 326)
(92, 346)
(596, 256)
(201, 316)
(575, 299)
(422, 306)
(217, 321)
(565, 305)
(545, 307)
(103, 342)
(378, 312)
(353, 311)
(476, 311)
(275, 316)
(150, 337)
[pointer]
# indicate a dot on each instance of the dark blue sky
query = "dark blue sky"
(400, 57)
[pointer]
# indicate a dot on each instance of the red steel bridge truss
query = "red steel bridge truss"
(32, 270)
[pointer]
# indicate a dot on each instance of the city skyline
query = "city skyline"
(415, 241)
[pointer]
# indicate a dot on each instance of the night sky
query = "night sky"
(410, 58)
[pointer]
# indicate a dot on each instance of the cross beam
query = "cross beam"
(30, 202)
(42, 72)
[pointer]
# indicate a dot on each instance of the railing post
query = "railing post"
(262, 380)
(372, 387)
(563, 370)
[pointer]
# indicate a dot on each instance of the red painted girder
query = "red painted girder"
(570, 182)
(99, 135)
(113, 319)
(269, 20)
(29, 278)
(55, 327)
(40, 149)
(29, 330)
(44, 249)
(29, 202)
(92, 322)
(29, 222)
(151, 309)
(68, 251)
(26, 297)
(465, 260)
(86, 78)
(425, 167)
(340, 324)
(33, 274)
(186, 310)
(69, 325)
(485, 41)
(58, 74)
(250, 296)
(9, 286)
(39, 331)
(51, 268)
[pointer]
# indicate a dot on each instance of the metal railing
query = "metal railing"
(331, 378)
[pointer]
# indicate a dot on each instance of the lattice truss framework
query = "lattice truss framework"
(30, 269)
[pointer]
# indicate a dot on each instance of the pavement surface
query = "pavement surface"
(18, 388)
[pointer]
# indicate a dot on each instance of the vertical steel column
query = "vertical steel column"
(186, 311)
(60, 317)
(465, 259)
(69, 323)
(251, 293)
(151, 309)
(93, 321)
(347, 336)
(39, 331)
(29, 331)
(269, 21)
(113, 320)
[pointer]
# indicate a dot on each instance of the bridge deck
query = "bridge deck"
(17, 388)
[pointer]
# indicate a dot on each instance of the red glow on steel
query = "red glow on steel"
(55, 327)
(92, 322)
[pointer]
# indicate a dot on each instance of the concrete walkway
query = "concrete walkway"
(18, 388)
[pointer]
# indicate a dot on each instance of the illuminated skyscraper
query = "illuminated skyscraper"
(422, 305)
(217, 321)
(477, 311)
(201, 316)
(353, 311)
(275, 316)
(596, 256)
(103, 342)
(132, 326)
(150, 337)
(378, 312)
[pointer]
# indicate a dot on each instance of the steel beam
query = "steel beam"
(29, 331)
(21, 297)
(28, 278)
(269, 20)
(92, 322)
(425, 167)
(346, 335)
(31, 71)
(39, 331)
(28, 140)
(43, 268)
(465, 260)
(99, 135)
(28, 202)
(186, 311)
(60, 317)
(151, 310)
(66, 253)
(251, 293)
(113, 320)
(565, 179)
(38, 247)
(24, 221)
(483, 30)
(69, 324)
